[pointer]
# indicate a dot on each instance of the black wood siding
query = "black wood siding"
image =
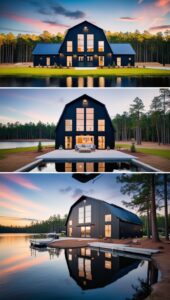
(100, 112)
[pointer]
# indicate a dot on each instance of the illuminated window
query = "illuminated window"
(108, 255)
(68, 167)
(87, 231)
(70, 231)
(80, 42)
(69, 46)
(101, 46)
(89, 119)
(89, 58)
(101, 167)
(70, 222)
(90, 42)
(101, 125)
(88, 252)
(80, 119)
(108, 218)
(101, 142)
(108, 264)
(81, 215)
(80, 58)
(88, 214)
(68, 125)
(83, 251)
(108, 231)
(68, 142)
(80, 167)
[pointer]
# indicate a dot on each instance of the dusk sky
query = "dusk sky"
(46, 105)
(33, 16)
(33, 196)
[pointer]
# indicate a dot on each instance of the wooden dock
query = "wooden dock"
(123, 248)
(41, 243)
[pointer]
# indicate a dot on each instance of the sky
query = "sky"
(35, 16)
(46, 105)
(27, 197)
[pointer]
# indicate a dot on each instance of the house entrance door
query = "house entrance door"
(69, 61)
(119, 61)
(85, 231)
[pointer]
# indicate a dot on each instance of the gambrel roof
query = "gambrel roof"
(117, 211)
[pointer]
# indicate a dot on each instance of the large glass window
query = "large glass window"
(68, 142)
(101, 142)
(68, 125)
(81, 215)
(80, 119)
(69, 46)
(89, 119)
(80, 42)
(84, 214)
(88, 214)
(108, 218)
(108, 231)
(101, 46)
(90, 42)
(101, 125)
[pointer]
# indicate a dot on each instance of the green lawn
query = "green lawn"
(4, 152)
(157, 152)
(36, 72)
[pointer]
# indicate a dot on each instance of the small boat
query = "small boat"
(53, 235)
(41, 243)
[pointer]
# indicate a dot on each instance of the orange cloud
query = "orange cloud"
(22, 181)
(162, 3)
(35, 23)
(9, 194)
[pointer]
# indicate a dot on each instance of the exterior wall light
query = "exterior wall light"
(85, 29)
(75, 55)
(85, 102)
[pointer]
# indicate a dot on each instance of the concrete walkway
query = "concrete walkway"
(74, 156)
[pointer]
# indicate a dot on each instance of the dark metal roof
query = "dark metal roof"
(117, 211)
(46, 49)
(122, 49)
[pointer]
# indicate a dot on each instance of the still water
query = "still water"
(12, 145)
(68, 81)
(84, 273)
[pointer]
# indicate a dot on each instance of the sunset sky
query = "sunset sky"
(33, 16)
(33, 105)
(27, 197)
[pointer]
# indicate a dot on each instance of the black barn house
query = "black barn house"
(85, 121)
(89, 217)
(85, 45)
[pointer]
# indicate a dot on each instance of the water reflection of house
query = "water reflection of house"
(92, 269)
(90, 217)
(85, 45)
(85, 121)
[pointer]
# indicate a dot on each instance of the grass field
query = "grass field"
(165, 153)
(43, 72)
(4, 152)
(157, 152)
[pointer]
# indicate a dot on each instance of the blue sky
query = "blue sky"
(33, 105)
(33, 196)
(34, 16)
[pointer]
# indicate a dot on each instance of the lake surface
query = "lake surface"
(108, 81)
(84, 273)
(13, 145)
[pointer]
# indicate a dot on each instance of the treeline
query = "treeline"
(53, 224)
(148, 47)
(27, 131)
(160, 223)
(153, 125)
(150, 126)
(149, 195)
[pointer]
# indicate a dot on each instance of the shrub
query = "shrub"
(39, 147)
